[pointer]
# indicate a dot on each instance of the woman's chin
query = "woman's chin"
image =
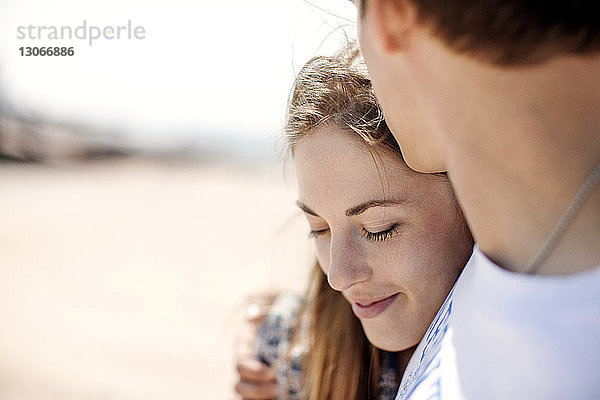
(383, 341)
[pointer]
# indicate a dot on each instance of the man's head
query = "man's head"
(416, 50)
(506, 32)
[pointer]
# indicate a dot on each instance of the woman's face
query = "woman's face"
(390, 239)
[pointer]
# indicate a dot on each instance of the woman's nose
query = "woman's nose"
(347, 264)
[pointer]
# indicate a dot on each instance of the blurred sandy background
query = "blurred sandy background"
(140, 197)
(124, 278)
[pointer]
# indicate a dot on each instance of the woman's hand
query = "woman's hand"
(256, 380)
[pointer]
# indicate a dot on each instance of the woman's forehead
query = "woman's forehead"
(333, 164)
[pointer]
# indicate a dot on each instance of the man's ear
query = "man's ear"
(392, 22)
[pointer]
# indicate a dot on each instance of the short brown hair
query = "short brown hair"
(510, 32)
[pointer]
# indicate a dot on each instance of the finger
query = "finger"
(252, 391)
(252, 369)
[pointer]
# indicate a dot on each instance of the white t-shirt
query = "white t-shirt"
(503, 335)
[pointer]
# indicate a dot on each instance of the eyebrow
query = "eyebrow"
(359, 209)
(362, 207)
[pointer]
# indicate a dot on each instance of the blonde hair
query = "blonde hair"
(337, 91)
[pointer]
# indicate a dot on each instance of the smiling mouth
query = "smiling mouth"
(371, 310)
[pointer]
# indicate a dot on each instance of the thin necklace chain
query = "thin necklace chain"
(565, 219)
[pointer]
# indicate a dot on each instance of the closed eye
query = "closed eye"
(381, 235)
(316, 234)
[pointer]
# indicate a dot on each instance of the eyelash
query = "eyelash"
(380, 236)
(370, 236)
(316, 234)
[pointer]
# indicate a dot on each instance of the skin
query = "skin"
(422, 246)
(510, 138)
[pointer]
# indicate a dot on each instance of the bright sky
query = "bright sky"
(225, 64)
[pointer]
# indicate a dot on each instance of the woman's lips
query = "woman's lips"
(373, 309)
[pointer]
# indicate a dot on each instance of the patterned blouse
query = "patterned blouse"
(273, 344)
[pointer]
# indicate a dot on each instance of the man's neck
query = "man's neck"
(522, 159)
